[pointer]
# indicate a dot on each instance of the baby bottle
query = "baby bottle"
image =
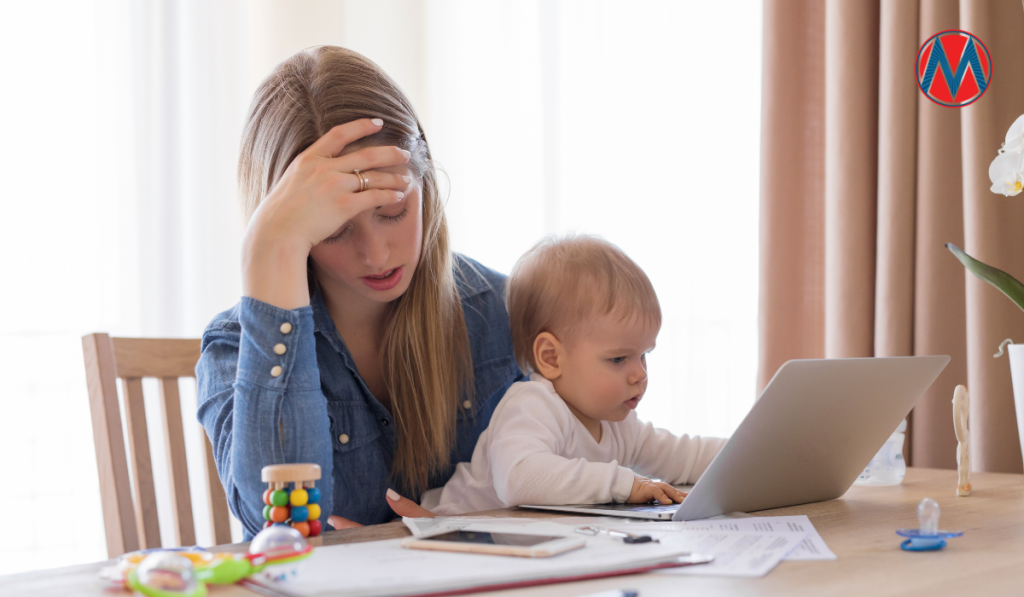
(888, 466)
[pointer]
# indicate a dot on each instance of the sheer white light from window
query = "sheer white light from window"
(637, 121)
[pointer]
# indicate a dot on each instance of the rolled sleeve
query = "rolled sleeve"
(265, 327)
(261, 403)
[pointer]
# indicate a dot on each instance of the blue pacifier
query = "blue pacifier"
(928, 537)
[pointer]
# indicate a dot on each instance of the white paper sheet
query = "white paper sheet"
(738, 551)
(385, 568)
(811, 548)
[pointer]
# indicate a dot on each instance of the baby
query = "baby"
(583, 317)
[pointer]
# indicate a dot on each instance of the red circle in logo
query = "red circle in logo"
(954, 68)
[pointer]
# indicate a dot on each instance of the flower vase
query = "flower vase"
(1016, 353)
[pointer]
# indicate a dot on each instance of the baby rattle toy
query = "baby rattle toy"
(276, 553)
(297, 506)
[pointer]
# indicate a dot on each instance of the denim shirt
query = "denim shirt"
(321, 404)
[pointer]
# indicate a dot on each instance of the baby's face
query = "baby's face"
(604, 375)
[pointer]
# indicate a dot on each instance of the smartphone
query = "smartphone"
(499, 544)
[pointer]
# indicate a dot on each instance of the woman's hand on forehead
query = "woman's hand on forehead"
(319, 192)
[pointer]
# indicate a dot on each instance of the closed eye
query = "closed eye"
(395, 218)
(348, 229)
(339, 236)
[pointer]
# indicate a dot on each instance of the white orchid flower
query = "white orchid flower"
(1014, 137)
(1007, 173)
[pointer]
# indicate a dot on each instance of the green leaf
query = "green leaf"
(1006, 283)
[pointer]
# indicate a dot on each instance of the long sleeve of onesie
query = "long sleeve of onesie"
(677, 460)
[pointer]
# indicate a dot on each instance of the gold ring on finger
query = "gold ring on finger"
(363, 181)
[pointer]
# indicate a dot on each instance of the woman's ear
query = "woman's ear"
(548, 354)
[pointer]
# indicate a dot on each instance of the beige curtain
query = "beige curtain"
(863, 180)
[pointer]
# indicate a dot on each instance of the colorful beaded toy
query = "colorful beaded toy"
(297, 506)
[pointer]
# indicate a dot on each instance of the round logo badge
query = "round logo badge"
(954, 68)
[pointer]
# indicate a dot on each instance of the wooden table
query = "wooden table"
(859, 527)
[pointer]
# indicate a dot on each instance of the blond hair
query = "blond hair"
(562, 282)
(425, 357)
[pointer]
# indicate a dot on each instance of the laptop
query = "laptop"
(815, 427)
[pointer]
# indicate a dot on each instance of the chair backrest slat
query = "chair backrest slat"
(134, 524)
(218, 501)
(181, 494)
(142, 464)
(112, 462)
(148, 357)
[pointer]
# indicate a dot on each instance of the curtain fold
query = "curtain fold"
(863, 181)
(851, 166)
(791, 309)
(993, 233)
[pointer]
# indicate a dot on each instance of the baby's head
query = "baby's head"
(584, 315)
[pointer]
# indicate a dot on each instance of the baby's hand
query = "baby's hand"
(644, 490)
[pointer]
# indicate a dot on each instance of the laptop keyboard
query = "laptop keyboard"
(631, 507)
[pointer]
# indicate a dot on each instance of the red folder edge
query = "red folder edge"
(271, 592)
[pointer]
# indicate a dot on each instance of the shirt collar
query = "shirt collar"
(534, 376)
(469, 281)
(322, 322)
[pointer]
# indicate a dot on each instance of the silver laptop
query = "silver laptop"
(807, 438)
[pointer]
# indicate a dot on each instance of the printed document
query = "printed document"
(747, 551)
(384, 568)
(811, 548)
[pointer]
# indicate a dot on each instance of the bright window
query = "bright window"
(634, 120)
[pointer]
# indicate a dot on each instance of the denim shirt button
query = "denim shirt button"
(286, 328)
(343, 438)
(467, 404)
(280, 349)
(276, 371)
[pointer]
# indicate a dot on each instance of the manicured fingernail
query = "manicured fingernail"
(400, 194)
(377, 121)
(405, 153)
(407, 179)
(393, 495)
(331, 522)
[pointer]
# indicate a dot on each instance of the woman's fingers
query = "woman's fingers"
(338, 137)
(407, 508)
(369, 158)
(352, 204)
(401, 506)
(376, 179)
(342, 523)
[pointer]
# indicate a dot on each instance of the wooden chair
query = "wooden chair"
(130, 526)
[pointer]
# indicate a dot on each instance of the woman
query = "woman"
(361, 343)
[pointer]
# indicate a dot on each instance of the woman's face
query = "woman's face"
(374, 255)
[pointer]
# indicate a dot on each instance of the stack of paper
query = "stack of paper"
(742, 546)
(381, 568)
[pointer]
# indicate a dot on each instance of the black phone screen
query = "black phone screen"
(484, 538)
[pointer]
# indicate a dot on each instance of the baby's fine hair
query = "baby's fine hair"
(562, 282)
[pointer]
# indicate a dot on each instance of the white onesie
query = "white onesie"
(535, 451)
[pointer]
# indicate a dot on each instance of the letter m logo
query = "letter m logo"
(935, 74)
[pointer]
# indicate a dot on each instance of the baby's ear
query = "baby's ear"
(548, 354)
